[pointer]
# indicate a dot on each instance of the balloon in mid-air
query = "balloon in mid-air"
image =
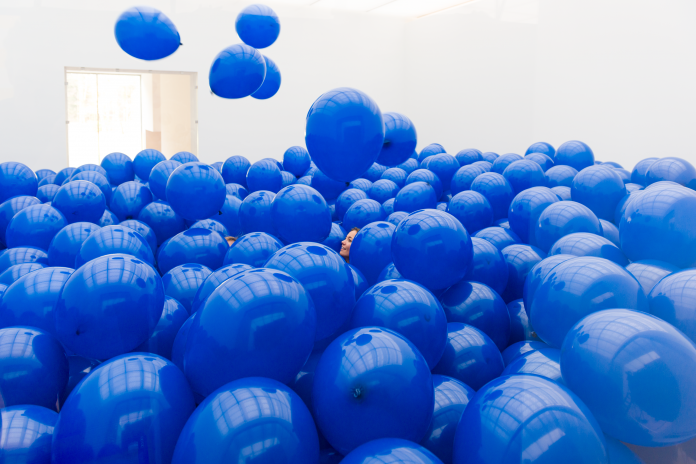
(146, 33)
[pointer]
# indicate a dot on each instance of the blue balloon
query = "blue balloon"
(80, 201)
(212, 281)
(119, 168)
(589, 285)
(487, 265)
(432, 248)
(236, 190)
(525, 210)
(524, 174)
(183, 282)
(497, 191)
(575, 154)
(536, 276)
(45, 193)
(344, 133)
(541, 159)
(672, 299)
(382, 190)
(183, 157)
(195, 191)
(143, 229)
(371, 249)
(108, 219)
(470, 356)
(362, 213)
(409, 310)
(391, 450)
(563, 193)
(584, 244)
(30, 300)
(162, 339)
(345, 399)
(610, 232)
(336, 236)
(490, 156)
(97, 179)
(237, 72)
(400, 139)
(520, 328)
(109, 306)
(34, 226)
(389, 273)
(430, 150)
(639, 171)
(479, 306)
(13, 273)
(600, 189)
(396, 217)
(229, 216)
(146, 33)
(144, 162)
(502, 162)
(62, 175)
(16, 179)
(563, 218)
(264, 175)
(48, 180)
(330, 189)
(429, 177)
(88, 168)
(276, 349)
(235, 170)
(121, 387)
(160, 175)
(498, 237)
(397, 176)
(299, 214)
(672, 169)
(211, 224)
(360, 184)
(27, 431)
(129, 199)
(288, 178)
(620, 454)
(253, 249)
(649, 272)
(41, 174)
(544, 362)
(20, 255)
(11, 207)
(271, 82)
(602, 349)
(346, 199)
(162, 219)
(296, 160)
(518, 349)
(33, 367)
(409, 165)
(255, 213)
(112, 240)
(471, 209)
(444, 166)
(415, 196)
(359, 280)
(543, 148)
(258, 26)
(200, 246)
(658, 224)
(375, 172)
(512, 415)
(468, 156)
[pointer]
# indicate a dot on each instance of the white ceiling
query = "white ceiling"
(402, 8)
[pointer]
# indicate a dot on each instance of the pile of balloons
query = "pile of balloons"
(377, 304)
(238, 71)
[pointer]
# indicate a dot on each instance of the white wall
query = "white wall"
(494, 74)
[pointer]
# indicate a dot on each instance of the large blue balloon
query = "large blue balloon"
(544, 363)
(80, 201)
(645, 403)
(600, 189)
(400, 139)
(563, 193)
(108, 219)
(271, 82)
(237, 72)
(162, 339)
(146, 33)
(563, 218)
(344, 133)
(34, 226)
(21, 255)
(212, 281)
(255, 213)
(11, 207)
(257, 410)
(296, 160)
(581, 286)
(274, 346)
(673, 300)
(649, 272)
(253, 249)
(41, 174)
(236, 190)
(462, 179)
(88, 168)
(640, 169)
(471, 209)
(415, 196)
(264, 175)
(162, 219)
(429, 177)
(497, 191)
(13, 273)
(362, 213)
(62, 175)
(129, 199)
(432, 248)
(346, 199)
(258, 26)
(119, 168)
(91, 424)
(160, 175)
(409, 165)
(659, 224)
(389, 396)
(27, 431)
(109, 306)
(211, 224)
(111, 240)
(360, 184)
(16, 179)
(48, 180)
(526, 418)
(444, 166)
(183, 282)
(326, 277)
(536, 276)
(391, 450)
(31, 299)
(470, 356)
(195, 191)
(396, 175)
(584, 244)
(330, 189)
(408, 309)
(672, 169)
(300, 214)
(430, 150)
(201, 246)
(525, 210)
(375, 172)
(144, 162)
(524, 174)
(371, 249)
(575, 154)
(468, 156)
(234, 170)
(487, 265)
(479, 306)
(335, 238)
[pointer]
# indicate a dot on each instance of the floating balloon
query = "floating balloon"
(211, 224)
(162, 219)
(584, 244)
(673, 300)
(80, 201)
(13, 273)
(444, 166)
(524, 174)
(195, 191)
(48, 180)
(518, 349)
(300, 214)
(371, 249)
(383, 190)
(237, 72)
(346, 199)
(429, 177)
(111, 240)
(497, 191)
(255, 213)
(430, 150)
(119, 168)
(160, 175)
(129, 199)
(575, 154)
(542, 160)
(361, 184)
(108, 219)
(400, 139)
(468, 156)
(46, 193)
(34, 226)
(525, 210)
(146, 160)
(296, 160)
(146, 33)
(234, 170)
(258, 26)
(602, 349)
(397, 176)
(253, 249)
(409, 165)
(563, 193)
(362, 213)
(563, 218)
(271, 82)
(600, 189)
(144, 230)
(200, 246)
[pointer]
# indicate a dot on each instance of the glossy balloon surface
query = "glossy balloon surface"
(114, 239)
(487, 265)
(497, 191)
(296, 160)
(415, 196)
(649, 272)
(642, 402)
(21, 255)
(518, 349)
(536, 276)
(11, 207)
(585, 244)
(13, 273)
(361, 184)
(264, 175)
(640, 169)
(62, 175)
(144, 230)
(26, 433)
(144, 161)
(563, 218)
(429, 177)
(600, 189)
(541, 159)
(384, 189)
(162, 219)
(160, 175)
(672, 169)
(560, 176)
(119, 168)
(542, 147)
(200, 246)
(544, 362)
(391, 450)
(345, 398)
(562, 192)
(525, 210)
(16, 179)
(183, 281)
(499, 237)
(471, 209)
(34, 226)
(360, 281)
(502, 162)
(46, 193)
(430, 150)
(673, 300)
(255, 213)
(524, 174)
(162, 339)
(575, 154)
(346, 199)
(400, 139)
(337, 235)
(258, 26)
(468, 156)
(371, 249)
(520, 259)
(146, 33)
(212, 281)
(444, 166)
(362, 213)
(253, 249)
(237, 72)
(234, 170)
(195, 191)
(520, 328)
(129, 199)
(300, 214)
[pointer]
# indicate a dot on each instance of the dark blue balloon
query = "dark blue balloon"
(536, 276)
(388, 273)
(391, 450)
(97, 179)
(487, 265)
(253, 249)
(235, 170)
(359, 280)
(195, 191)
(229, 217)
(478, 305)
(237, 72)
(575, 154)
(499, 237)
(11, 207)
(236, 190)
(468, 156)
(471, 209)
(27, 431)
(589, 285)
(33, 367)
(296, 160)
(409, 165)
(396, 217)
(362, 213)
(520, 328)
(298, 214)
(470, 356)
(520, 260)
(111, 240)
(20, 255)
(124, 386)
(408, 309)
(563, 218)
(330, 189)
(146, 160)
(400, 139)
(360, 184)
(415, 196)
(336, 236)
(430, 150)
(544, 362)
(673, 300)
(649, 272)
(490, 156)
(619, 453)
(374, 173)
(432, 248)
(271, 82)
(183, 157)
(30, 300)
(183, 282)
(212, 281)
(345, 399)
(89, 168)
(672, 169)
(514, 413)
(602, 349)
(584, 244)
(258, 26)
(541, 159)
(525, 210)
(45, 193)
(274, 347)
(371, 249)
(119, 168)
(211, 224)
(62, 175)
(13, 273)
(444, 166)
(502, 162)
(162, 339)
(524, 174)
(600, 189)
(658, 223)
(16, 179)
(518, 349)
(397, 176)
(109, 306)
(80, 201)
(143, 229)
(146, 33)
(344, 133)
(429, 177)
(563, 193)
(255, 213)
(639, 171)
(264, 175)
(129, 199)
(108, 219)
(200, 246)
(383, 189)
(346, 199)
(34, 226)
(162, 219)
(160, 175)
(497, 191)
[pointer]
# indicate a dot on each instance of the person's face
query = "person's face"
(345, 244)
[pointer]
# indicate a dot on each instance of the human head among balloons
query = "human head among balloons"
(358, 301)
